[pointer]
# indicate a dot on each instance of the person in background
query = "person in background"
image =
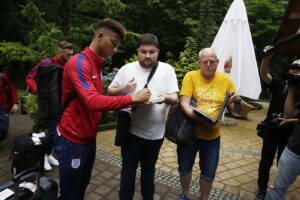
(274, 137)
(208, 89)
(75, 138)
(64, 53)
(148, 121)
(8, 104)
(289, 162)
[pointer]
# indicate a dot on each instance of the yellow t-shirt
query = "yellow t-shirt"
(209, 96)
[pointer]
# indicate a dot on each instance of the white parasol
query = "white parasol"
(234, 40)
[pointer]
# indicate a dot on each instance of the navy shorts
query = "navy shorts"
(209, 151)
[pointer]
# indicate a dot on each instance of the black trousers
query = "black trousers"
(143, 151)
(274, 141)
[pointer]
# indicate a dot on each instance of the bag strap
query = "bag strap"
(52, 59)
(68, 101)
(151, 74)
(148, 80)
(43, 63)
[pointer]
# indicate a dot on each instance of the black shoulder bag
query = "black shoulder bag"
(124, 118)
(180, 129)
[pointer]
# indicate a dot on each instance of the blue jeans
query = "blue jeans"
(75, 167)
(145, 152)
(287, 172)
(209, 151)
(4, 122)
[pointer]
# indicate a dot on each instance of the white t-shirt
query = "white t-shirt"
(148, 121)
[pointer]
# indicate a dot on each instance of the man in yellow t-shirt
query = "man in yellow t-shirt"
(208, 88)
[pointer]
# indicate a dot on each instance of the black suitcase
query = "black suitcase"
(27, 169)
(29, 185)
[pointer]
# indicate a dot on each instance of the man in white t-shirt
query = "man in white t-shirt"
(148, 121)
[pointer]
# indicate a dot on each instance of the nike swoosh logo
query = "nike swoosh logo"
(94, 77)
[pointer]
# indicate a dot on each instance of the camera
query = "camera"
(267, 51)
(292, 79)
(274, 119)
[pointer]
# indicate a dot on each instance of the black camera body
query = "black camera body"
(274, 119)
(267, 127)
(268, 51)
(292, 79)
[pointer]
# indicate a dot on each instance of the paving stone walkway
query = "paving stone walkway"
(238, 166)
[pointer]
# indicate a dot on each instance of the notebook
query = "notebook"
(220, 114)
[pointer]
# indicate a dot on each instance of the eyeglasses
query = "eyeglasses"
(206, 62)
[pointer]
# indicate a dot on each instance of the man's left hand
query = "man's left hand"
(234, 98)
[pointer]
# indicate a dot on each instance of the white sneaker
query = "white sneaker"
(47, 166)
(52, 160)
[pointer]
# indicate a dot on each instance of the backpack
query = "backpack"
(10, 102)
(49, 89)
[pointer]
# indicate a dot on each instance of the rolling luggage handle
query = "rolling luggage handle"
(17, 178)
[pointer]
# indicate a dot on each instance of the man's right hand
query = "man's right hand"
(141, 96)
(268, 51)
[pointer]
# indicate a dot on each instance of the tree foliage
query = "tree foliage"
(15, 59)
(32, 28)
(187, 59)
(15, 54)
(264, 18)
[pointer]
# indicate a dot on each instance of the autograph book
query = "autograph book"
(220, 114)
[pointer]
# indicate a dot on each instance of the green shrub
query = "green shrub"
(187, 60)
(21, 93)
(31, 107)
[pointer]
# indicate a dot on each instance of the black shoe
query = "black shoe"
(261, 195)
